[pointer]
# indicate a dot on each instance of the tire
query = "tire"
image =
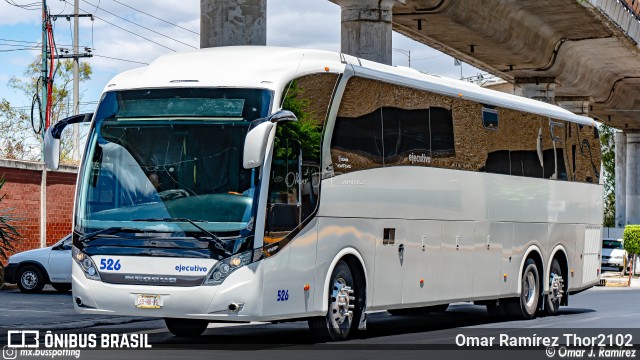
(62, 287)
(419, 310)
(30, 279)
(345, 307)
(556, 291)
(186, 327)
(526, 306)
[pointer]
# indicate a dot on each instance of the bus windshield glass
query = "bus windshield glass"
(170, 154)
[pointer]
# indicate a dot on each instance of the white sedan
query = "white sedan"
(31, 270)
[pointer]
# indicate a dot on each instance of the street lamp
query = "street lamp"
(406, 53)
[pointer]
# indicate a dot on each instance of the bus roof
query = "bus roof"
(272, 68)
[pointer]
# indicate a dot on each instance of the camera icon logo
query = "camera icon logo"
(9, 353)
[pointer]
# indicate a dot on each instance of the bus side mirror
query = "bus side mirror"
(52, 139)
(255, 145)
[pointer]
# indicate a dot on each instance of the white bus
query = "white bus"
(270, 184)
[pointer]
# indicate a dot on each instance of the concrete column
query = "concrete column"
(620, 140)
(633, 179)
(542, 89)
(233, 22)
(366, 29)
(578, 105)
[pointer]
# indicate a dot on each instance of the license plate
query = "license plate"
(148, 301)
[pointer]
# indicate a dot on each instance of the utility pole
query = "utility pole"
(43, 121)
(76, 84)
(406, 53)
(76, 70)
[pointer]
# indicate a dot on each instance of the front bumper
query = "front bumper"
(198, 302)
(613, 263)
(10, 273)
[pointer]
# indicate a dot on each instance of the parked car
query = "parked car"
(31, 270)
(613, 254)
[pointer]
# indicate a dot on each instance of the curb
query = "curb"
(609, 283)
(6, 286)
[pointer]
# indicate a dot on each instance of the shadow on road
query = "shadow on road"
(379, 325)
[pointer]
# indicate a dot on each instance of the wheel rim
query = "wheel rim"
(341, 308)
(556, 288)
(530, 290)
(29, 280)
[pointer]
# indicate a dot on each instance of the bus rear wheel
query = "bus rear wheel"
(343, 315)
(556, 289)
(526, 307)
(186, 327)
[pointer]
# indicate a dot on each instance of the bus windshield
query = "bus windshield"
(170, 154)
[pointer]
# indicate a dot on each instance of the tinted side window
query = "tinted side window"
(284, 206)
(442, 139)
(356, 142)
(407, 139)
(586, 154)
(523, 142)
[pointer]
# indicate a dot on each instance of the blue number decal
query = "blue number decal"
(283, 295)
(110, 264)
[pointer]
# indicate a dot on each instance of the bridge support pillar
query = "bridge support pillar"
(366, 29)
(233, 22)
(632, 195)
(542, 89)
(578, 105)
(620, 140)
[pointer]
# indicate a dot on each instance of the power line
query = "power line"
(17, 45)
(157, 18)
(36, 43)
(115, 58)
(9, 50)
(129, 31)
(144, 27)
(30, 6)
(21, 41)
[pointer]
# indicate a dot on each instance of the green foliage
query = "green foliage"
(8, 232)
(609, 164)
(632, 239)
(307, 130)
(17, 139)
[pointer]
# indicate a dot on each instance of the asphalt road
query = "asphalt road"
(593, 310)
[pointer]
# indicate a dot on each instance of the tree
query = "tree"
(17, 137)
(609, 163)
(8, 234)
(631, 238)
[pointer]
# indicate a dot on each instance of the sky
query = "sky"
(122, 37)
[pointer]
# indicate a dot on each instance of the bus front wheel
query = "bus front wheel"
(186, 327)
(344, 311)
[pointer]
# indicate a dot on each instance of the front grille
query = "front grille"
(157, 280)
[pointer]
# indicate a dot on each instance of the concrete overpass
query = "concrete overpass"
(581, 54)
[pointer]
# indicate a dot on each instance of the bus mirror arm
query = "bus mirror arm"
(539, 148)
(52, 139)
(282, 115)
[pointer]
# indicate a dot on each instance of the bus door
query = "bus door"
(389, 262)
(422, 262)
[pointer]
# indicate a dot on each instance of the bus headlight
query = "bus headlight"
(223, 268)
(86, 264)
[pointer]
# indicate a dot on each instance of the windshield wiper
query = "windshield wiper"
(219, 244)
(108, 231)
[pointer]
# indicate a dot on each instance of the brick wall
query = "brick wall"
(22, 196)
